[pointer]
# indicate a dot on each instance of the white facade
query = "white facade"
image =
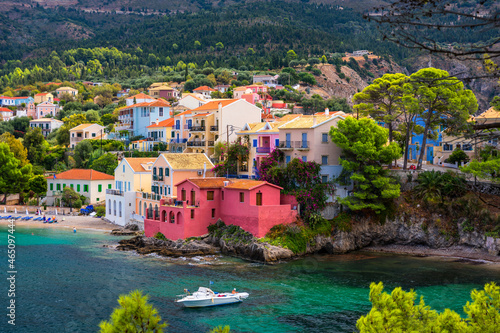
(93, 190)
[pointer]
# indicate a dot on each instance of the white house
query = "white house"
(90, 183)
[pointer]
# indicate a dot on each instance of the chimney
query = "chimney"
(220, 108)
(314, 120)
(157, 121)
(204, 169)
(327, 112)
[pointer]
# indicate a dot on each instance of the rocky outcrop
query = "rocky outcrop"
(167, 247)
(128, 230)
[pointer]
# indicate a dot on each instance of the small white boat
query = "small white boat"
(206, 297)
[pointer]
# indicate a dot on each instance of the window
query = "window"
(324, 179)
(58, 187)
(304, 140)
(52, 187)
(304, 158)
(97, 199)
(93, 135)
(109, 206)
(167, 172)
(467, 147)
(161, 112)
(183, 196)
(192, 213)
(64, 185)
(71, 185)
(287, 159)
(242, 196)
(99, 188)
(324, 137)
(258, 199)
(193, 198)
(213, 213)
(255, 142)
(324, 160)
(288, 138)
(210, 195)
(123, 168)
(109, 187)
(447, 147)
(85, 188)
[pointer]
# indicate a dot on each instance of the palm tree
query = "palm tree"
(429, 186)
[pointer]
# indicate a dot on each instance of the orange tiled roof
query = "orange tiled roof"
(209, 182)
(202, 114)
(160, 102)
(136, 163)
(183, 113)
(214, 105)
(41, 94)
(164, 123)
(83, 174)
(140, 96)
(5, 110)
(204, 88)
(248, 184)
(195, 97)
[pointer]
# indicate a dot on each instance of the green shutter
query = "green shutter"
(78, 187)
(99, 188)
(52, 187)
(85, 188)
(167, 172)
(71, 185)
(109, 186)
(64, 185)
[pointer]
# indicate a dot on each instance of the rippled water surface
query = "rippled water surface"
(70, 282)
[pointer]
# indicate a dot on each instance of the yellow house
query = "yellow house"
(67, 90)
(161, 131)
(44, 97)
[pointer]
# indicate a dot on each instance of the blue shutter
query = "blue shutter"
(287, 159)
(277, 142)
(288, 135)
(255, 142)
(304, 158)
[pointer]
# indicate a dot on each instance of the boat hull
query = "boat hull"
(193, 302)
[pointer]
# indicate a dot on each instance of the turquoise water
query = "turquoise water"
(69, 282)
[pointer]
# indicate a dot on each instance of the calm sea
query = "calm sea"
(70, 282)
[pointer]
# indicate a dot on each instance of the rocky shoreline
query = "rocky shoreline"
(411, 236)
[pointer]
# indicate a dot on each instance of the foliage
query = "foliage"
(35, 144)
(106, 163)
(100, 210)
(457, 156)
(365, 152)
(399, 312)
(220, 329)
(434, 186)
(160, 236)
(82, 153)
(441, 100)
(38, 184)
(234, 155)
(134, 314)
(486, 170)
(16, 147)
(69, 197)
(13, 178)
(298, 178)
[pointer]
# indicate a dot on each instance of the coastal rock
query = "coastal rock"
(125, 232)
(168, 248)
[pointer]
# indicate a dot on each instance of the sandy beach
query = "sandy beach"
(67, 221)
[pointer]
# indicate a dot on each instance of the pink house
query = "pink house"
(250, 204)
(251, 98)
(46, 109)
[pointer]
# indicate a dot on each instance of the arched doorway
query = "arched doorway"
(109, 205)
(180, 219)
(163, 215)
(114, 207)
(171, 217)
(140, 207)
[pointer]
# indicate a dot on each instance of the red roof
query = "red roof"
(5, 110)
(41, 94)
(83, 174)
(204, 88)
(214, 105)
(140, 96)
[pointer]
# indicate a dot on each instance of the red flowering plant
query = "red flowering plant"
(299, 178)
(233, 155)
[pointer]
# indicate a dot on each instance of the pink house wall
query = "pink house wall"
(257, 220)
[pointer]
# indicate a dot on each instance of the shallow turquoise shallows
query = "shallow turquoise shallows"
(70, 282)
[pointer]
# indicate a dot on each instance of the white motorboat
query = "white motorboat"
(206, 297)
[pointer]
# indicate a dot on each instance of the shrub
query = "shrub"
(457, 156)
(77, 204)
(160, 236)
(100, 210)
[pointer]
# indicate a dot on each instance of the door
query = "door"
(258, 199)
(193, 198)
(430, 154)
(304, 140)
(288, 135)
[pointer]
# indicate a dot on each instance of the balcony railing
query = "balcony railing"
(263, 150)
(198, 129)
(178, 140)
(294, 144)
(214, 128)
(210, 143)
(114, 192)
(158, 178)
(151, 196)
(196, 144)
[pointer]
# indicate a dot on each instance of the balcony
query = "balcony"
(196, 144)
(151, 196)
(158, 178)
(299, 145)
(114, 192)
(178, 140)
(214, 128)
(302, 145)
(263, 150)
(123, 127)
(198, 129)
(210, 143)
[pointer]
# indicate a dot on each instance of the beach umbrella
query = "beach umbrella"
(15, 210)
(5, 209)
(56, 211)
(27, 211)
